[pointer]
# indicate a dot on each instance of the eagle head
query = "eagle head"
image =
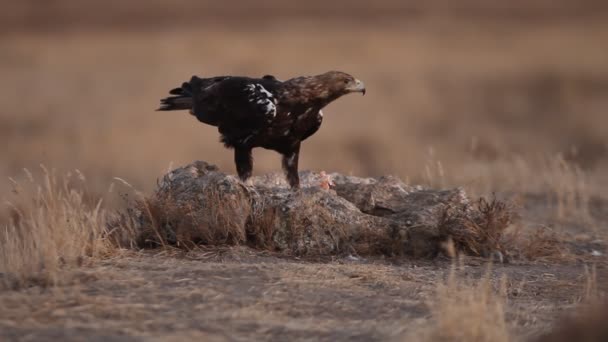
(339, 83)
(320, 90)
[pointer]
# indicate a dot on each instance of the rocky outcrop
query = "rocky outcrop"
(331, 214)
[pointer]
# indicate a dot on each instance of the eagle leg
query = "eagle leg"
(244, 162)
(290, 166)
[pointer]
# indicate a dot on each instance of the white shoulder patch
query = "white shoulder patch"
(262, 98)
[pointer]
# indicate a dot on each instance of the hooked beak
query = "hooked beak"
(359, 87)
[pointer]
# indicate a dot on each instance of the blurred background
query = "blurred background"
(487, 94)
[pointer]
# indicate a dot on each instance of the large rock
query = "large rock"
(198, 204)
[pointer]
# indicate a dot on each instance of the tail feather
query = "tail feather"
(179, 102)
(185, 89)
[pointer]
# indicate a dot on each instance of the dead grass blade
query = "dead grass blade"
(51, 227)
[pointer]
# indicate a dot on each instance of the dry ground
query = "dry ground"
(241, 295)
(491, 98)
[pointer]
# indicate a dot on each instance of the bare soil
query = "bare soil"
(238, 294)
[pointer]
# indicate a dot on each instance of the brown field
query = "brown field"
(511, 99)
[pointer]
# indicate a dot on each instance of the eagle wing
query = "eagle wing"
(239, 106)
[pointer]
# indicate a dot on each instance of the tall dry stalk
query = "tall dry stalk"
(51, 226)
(466, 310)
(570, 190)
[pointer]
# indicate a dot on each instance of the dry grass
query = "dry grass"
(162, 221)
(52, 226)
(220, 215)
(221, 219)
(467, 310)
(478, 229)
(570, 191)
(495, 228)
(541, 243)
(588, 322)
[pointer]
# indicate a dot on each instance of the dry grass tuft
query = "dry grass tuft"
(477, 230)
(485, 230)
(570, 191)
(467, 310)
(219, 218)
(261, 228)
(540, 243)
(51, 226)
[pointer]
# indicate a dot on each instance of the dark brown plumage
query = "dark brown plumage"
(262, 112)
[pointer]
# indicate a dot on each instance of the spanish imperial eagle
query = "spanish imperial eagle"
(262, 112)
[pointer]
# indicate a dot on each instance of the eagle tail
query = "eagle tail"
(185, 89)
(182, 99)
(175, 103)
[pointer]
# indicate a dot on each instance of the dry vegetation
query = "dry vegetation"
(465, 310)
(495, 98)
(51, 227)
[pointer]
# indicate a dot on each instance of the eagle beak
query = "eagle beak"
(359, 87)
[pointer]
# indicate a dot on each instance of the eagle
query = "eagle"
(262, 112)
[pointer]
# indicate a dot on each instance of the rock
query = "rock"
(198, 204)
